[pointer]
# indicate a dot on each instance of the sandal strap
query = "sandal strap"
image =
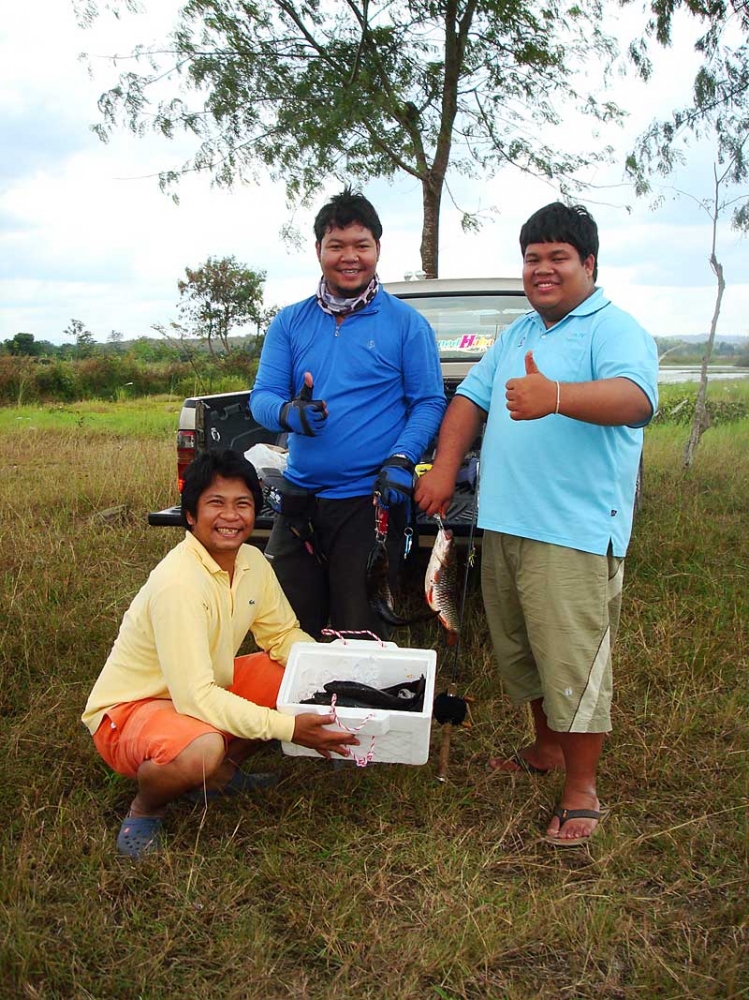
(563, 814)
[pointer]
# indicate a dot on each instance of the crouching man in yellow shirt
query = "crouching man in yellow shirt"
(174, 707)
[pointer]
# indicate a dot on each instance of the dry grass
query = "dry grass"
(376, 883)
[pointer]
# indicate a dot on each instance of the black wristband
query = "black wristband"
(301, 406)
(399, 462)
(282, 417)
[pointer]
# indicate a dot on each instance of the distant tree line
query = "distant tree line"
(37, 371)
(171, 344)
(674, 351)
(195, 356)
(28, 379)
(148, 368)
(175, 345)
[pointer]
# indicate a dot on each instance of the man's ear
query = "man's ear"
(590, 264)
(190, 519)
(318, 249)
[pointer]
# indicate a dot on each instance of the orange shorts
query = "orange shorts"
(152, 729)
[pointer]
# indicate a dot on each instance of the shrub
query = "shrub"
(16, 379)
(58, 381)
(677, 407)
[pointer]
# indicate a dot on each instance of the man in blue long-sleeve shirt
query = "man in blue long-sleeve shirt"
(353, 375)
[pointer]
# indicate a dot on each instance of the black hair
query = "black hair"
(344, 210)
(201, 472)
(559, 223)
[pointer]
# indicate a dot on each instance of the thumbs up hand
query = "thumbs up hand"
(303, 414)
(306, 391)
(532, 396)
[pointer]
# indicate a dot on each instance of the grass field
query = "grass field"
(153, 418)
(372, 883)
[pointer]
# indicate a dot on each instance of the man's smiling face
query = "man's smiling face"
(225, 519)
(348, 258)
(555, 280)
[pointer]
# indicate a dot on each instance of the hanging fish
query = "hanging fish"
(441, 580)
(379, 595)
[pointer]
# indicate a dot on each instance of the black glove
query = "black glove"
(395, 482)
(303, 414)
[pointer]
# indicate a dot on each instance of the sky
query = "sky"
(86, 233)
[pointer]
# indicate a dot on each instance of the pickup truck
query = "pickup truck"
(466, 314)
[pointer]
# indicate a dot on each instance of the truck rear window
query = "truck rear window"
(467, 325)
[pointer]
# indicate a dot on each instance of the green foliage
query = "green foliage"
(23, 344)
(27, 380)
(55, 381)
(720, 411)
(366, 89)
(220, 295)
(85, 345)
(718, 110)
(148, 349)
(742, 356)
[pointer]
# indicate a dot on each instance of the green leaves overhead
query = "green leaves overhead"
(719, 105)
(363, 89)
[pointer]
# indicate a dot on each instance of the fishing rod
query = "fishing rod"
(449, 710)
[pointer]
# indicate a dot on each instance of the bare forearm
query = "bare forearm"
(459, 429)
(435, 488)
(608, 402)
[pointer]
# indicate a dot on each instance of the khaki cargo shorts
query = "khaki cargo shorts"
(553, 613)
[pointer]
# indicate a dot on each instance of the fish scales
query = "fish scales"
(441, 580)
(379, 594)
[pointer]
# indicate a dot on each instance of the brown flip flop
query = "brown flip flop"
(563, 816)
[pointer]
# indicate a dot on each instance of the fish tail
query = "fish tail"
(391, 617)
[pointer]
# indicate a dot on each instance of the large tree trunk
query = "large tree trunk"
(457, 26)
(701, 420)
(430, 230)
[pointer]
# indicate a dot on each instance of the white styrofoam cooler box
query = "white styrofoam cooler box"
(391, 737)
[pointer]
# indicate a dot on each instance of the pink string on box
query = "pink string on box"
(340, 635)
(368, 757)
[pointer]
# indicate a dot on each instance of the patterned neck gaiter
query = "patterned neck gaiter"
(337, 306)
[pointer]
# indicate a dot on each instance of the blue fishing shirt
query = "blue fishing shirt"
(378, 372)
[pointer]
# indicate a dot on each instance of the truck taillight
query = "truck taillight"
(185, 454)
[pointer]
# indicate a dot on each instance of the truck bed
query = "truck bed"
(459, 518)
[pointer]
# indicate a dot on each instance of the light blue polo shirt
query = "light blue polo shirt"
(557, 479)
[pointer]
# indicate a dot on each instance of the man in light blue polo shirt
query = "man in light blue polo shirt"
(565, 393)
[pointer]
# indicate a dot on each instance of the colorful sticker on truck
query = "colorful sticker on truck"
(471, 343)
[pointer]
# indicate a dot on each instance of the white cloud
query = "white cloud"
(86, 233)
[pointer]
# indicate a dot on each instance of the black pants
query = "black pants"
(335, 592)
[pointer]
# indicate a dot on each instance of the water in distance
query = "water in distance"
(668, 376)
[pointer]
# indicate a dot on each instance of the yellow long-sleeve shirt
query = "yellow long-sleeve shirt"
(180, 635)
